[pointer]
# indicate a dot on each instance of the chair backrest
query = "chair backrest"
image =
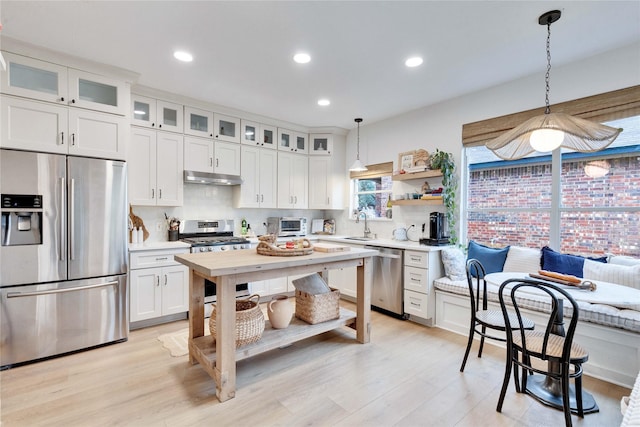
(477, 285)
(512, 289)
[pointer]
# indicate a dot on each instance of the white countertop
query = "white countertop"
(386, 243)
(157, 246)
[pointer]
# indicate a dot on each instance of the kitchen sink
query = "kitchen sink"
(364, 239)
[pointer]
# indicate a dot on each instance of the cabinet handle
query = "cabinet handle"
(257, 197)
(157, 280)
(211, 135)
(153, 193)
(62, 99)
(153, 125)
(328, 201)
(73, 101)
(159, 193)
(295, 199)
(162, 259)
(217, 162)
(73, 139)
(262, 197)
(210, 161)
(160, 125)
(165, 280)
(61, 138)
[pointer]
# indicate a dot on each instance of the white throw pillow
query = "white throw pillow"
(623, 260)
(454, 263)
(626, 275)
(522, 260)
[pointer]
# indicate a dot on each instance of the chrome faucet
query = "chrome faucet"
(367, 232)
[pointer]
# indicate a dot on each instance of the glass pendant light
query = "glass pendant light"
(549, 131)
(357, 166)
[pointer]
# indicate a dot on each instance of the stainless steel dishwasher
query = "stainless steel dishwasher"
(387, 290)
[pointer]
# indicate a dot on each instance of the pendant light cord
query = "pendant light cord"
(547, 109)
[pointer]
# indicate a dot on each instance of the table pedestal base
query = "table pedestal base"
(549, 392)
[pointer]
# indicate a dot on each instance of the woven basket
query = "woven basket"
(249, 321)
(318, 308)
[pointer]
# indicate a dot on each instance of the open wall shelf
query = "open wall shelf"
(417, 175)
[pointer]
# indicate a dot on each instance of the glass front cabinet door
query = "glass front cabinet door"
(198, 122)
(143, 112)
(226, 128)
(249, 133)
(170, 116)
(268, 136)
(321, 144)
(301, 143)
(31, 78)
(285, 140)
(96, 92)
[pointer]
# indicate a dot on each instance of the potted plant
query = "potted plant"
(444, 162)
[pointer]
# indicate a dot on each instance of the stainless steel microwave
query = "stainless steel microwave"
(287, 226)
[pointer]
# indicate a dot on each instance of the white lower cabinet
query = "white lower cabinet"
(420, 270)
(159, 286)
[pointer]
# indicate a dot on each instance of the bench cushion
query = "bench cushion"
(601, 314)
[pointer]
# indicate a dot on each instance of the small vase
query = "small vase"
(280, 311)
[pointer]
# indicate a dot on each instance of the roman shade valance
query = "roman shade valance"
(600, 108)
(374, 171)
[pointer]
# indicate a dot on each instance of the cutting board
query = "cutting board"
(330, 247)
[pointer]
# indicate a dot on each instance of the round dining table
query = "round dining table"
(548, 390)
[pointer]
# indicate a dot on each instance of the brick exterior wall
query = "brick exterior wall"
(529, 187)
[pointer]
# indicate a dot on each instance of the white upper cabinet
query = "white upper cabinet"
(321, 144)
(32, 78)
(301, 143)
(293, 181)
(285, 140)
(226, 128)
(50, 128)
(293, 142)
(198, 122)
(156, 114)
(268, 135)
(257, 134)
(155, 168)
(94, 92)
(203, 155)
(327, 189)
(259, 186)
(45, 81)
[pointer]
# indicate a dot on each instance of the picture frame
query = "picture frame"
(413, 160)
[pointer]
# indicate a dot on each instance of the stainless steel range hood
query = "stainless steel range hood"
(195, 177)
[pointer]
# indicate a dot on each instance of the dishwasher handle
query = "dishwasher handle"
(392, 254)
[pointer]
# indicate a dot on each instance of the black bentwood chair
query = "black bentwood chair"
(554, 345)
(481, 318)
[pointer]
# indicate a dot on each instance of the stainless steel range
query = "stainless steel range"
(214, 236)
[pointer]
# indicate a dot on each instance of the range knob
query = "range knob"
(202, 249)
(210, 248)
(224, 248)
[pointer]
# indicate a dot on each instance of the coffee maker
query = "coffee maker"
(437, 230)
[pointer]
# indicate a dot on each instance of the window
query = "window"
(597, 206)
(371, 191)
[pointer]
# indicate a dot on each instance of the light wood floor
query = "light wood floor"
(407, 376)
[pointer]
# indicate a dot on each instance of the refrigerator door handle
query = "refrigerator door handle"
(58, 291)
(62, 219)
(72, 222)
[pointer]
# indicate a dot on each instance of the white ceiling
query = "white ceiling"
(243, 50)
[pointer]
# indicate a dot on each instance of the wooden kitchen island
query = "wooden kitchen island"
(229, 268)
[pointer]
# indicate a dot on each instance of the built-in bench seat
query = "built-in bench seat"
(610, 334)
(601, 314)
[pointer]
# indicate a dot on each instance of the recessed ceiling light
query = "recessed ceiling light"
(183, 56)
(324, 102)
(301, 58)
(414, 61)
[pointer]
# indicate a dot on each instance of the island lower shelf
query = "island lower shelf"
(203, 349)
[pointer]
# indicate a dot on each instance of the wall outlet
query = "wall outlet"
(159, 226)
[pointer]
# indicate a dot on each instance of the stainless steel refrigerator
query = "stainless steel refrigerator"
(63, 255)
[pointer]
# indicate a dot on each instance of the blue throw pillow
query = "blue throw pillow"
(565, 263)
(492, 259)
